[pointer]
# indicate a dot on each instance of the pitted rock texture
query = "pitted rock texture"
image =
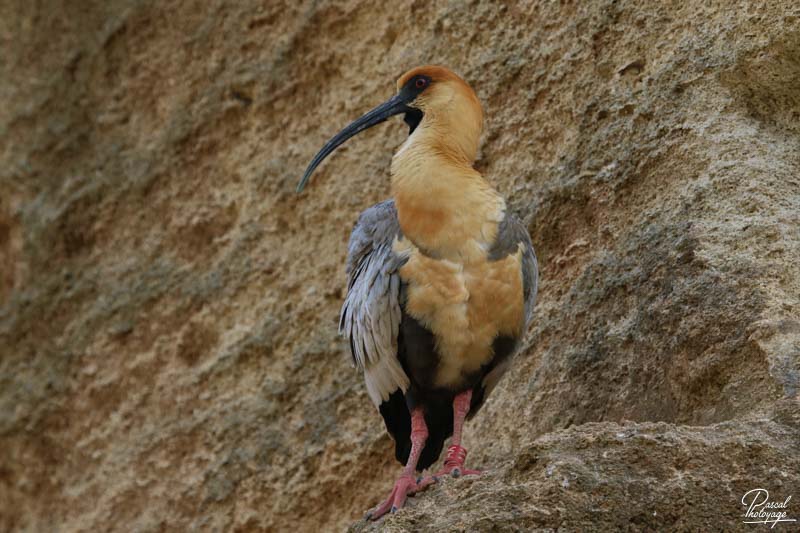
(168, 304)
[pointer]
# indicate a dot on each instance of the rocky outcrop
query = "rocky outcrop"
(168, 305)
(612, 477)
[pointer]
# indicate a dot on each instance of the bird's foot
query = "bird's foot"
(403, 487)
(454, 464)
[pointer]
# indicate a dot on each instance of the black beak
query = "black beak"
(394, 106)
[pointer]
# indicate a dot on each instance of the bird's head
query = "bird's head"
(439, 107)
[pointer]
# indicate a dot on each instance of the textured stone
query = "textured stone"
(168, 305)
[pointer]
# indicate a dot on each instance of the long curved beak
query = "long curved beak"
(394, 106)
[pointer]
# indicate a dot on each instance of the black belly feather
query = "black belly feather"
(398, 423)
(418, 356)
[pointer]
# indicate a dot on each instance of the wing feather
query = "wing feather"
(370, 316)
(512, 236)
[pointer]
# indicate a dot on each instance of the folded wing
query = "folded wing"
(371, 313)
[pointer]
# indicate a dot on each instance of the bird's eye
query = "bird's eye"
(421, 82)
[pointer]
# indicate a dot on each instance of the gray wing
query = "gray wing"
(370, 317)
(511, 235)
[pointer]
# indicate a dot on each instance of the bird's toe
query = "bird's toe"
(403, 487)
(456, 472)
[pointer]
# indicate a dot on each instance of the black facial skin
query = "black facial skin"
(413, 88)
(413, 118)
(398, 104)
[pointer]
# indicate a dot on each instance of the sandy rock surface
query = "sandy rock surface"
(168, 305)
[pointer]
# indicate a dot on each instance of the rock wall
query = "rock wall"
(168, 305)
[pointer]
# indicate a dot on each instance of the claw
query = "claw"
(424, 482)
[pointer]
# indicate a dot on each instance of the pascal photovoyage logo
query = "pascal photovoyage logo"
(762, 510)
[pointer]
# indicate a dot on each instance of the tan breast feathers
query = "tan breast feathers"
(464, 306)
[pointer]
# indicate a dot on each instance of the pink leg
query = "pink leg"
(406, 484)
(454, 462)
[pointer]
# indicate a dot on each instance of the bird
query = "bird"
(441, 279)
